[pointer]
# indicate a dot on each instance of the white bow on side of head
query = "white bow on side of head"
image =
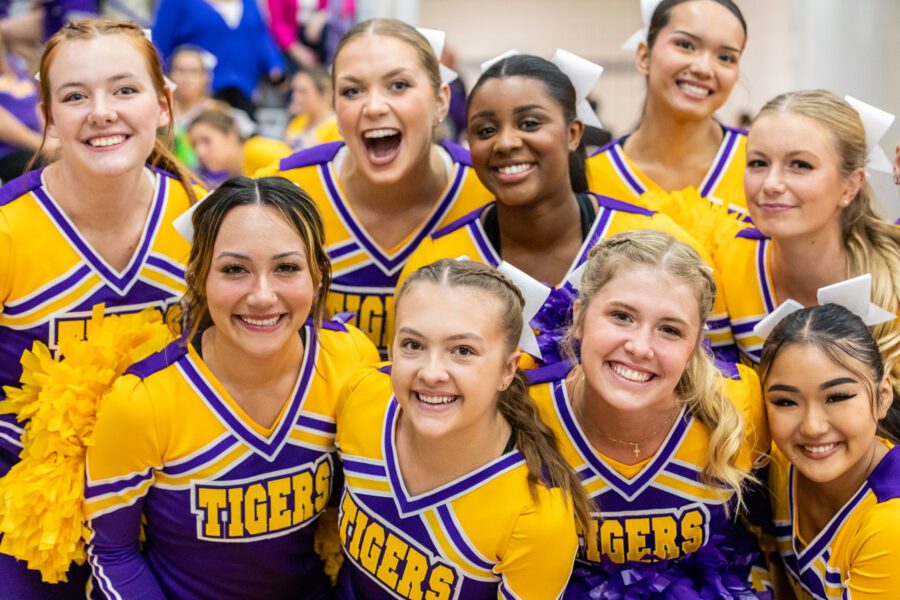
(853, 294)
(184, 223)
(647, 9)
(584, 75)
(876, 122)
(436, 39)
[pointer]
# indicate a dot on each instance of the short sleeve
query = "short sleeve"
(540, 554)
(873, 570)
(5, 260)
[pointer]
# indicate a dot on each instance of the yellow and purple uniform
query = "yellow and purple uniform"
(659, 512)
(611, 173)
(216, 491)
(604, 217)
(480, 536)
(854, 557)
(365, 274)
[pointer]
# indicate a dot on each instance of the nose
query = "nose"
(433, 369)
(774, 182)
(508, 139)
(263, 293)
(701, 66)
(375, 105)
(102, 110)
(640, 344)
(815, 422)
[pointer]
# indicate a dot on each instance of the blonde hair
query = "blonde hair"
(533, 438)
(701, 386)
(160, 156)
(405, 33)
(872, 245)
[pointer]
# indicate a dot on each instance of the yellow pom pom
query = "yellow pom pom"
(327, 543)
(41, 513)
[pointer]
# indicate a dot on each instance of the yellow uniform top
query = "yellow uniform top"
(479, 536)
(300, 135)
(365, 274)
(261, 152)
(659, 508)
(216, 490)
(468, 237)
(51, 277)
(610, 172)
(855, 554)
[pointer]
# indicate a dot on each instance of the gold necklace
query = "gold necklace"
(635, 445)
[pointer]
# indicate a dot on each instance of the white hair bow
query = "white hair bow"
(536, 295)
(876, 122)
(436, 39)
(184, 223)
(853, 294)
(648, 7)
(581, 72)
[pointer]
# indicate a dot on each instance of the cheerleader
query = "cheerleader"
(524, 133)
(661, 440)
(388, 185)
(833, 418)
(816, 225)
(313, 120)
(454, 488)
(94, 227)
(216, 453)
(690, 58)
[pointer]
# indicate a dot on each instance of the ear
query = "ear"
(49, 125)
(443, 100)
(509, 369)
(885, 397)
(576, 130)
(576, 309)
(852, 185)
(164, 116)
(642, 58)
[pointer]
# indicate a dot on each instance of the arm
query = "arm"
(540, 554)
(873, 555)
(121, 466)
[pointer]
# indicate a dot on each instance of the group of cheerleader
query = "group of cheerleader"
(666, 371)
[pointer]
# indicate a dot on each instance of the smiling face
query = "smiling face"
(793, 181)
(821, 415)
(640, 330)
(259, 289)
(103, 108)
(450, 359)
(693, 64)
(520, 141)
(386, 106)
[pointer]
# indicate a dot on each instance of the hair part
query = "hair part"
(297, 209)
(534, 439)
(160, 155)
(840, 335)
(663, 14)
(701, 386)
(557, 86)
(872, 244)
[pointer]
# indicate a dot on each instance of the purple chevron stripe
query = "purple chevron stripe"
(164, 265)
(363, 468)
(201, 459)
(49, 293)
(768, 298)
(322, 425)
(721, 164)
(101, 489)
(459, 540)
(636, 186)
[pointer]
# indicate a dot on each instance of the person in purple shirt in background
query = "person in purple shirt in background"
(231, 30)
(20, 126)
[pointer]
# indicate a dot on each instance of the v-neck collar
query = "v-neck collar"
(265, 443)
(764, 275)
(635, 179)
(628, 488)
(391, 261)
(120, 281)
(407, 504)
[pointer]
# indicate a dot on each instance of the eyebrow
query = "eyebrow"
(837, 381)
(240, 256)
(517, 110)
(388, 75)
(114, 78)
(452, 338)
(694, 37)
(780, 387)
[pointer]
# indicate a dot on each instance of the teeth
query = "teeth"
(694, 89)
(106, 141)
(260, 322)
(513, 169)
(380, 133)
(630, 374)
(436, 399)
(820, 449)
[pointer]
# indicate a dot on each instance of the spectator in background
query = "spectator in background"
(20, 125)
(231, 30)
(26, 31)
(313, 121)
(223, 154)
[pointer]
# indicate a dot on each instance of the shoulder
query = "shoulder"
(460, 223)
(885, 478)
(365, 396)
(346, 343)
(622, 206)
(158, 361)
(605, 148)
(457, 153)
(20, 186)
(309, 157)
